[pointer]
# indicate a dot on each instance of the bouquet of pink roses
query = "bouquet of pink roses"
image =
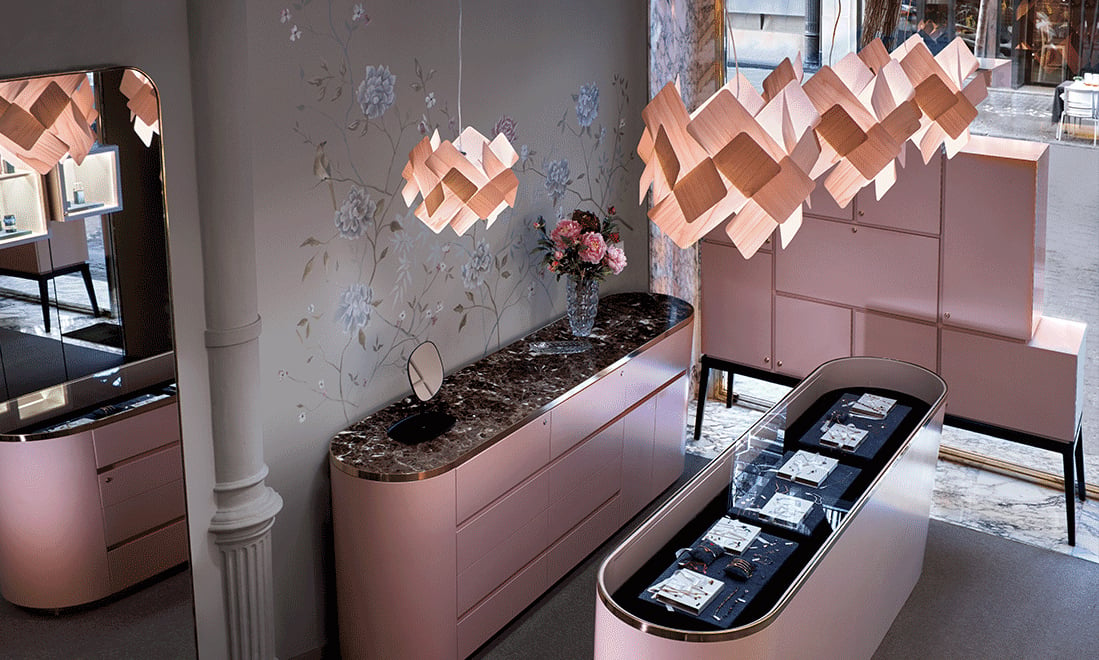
(582, 247)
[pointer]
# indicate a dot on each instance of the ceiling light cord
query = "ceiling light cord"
(460, 65)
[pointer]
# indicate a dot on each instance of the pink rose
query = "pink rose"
(592, 247)
(615, 259)
(565, 232)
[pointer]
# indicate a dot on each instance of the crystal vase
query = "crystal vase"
(582, 302)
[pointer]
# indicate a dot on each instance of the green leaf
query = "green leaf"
(394, 226)
(458, 309)
(505, 274)
(310, 241)
(302, 322)
(362, 339)
(469, 294)
(462, 323)
(326, 259)
(579, 176)
(354, 126)
(385, 251)
(308, 267)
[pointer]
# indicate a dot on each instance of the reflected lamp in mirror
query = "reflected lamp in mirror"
(425, 376)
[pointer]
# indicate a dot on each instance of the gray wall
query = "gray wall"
(522, 60)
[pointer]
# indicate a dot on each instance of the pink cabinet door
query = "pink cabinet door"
(1035, 387)
(877, 335)
(736, 297)
(671, 427)
(994, 236)
(822, 205)
(808, 333)
(912, 204)
(637, 458)
(874, 269)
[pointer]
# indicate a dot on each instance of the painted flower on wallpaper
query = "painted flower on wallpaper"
(295, 33)
(429, 100)
(376, 93)
(357, 12)
(506, 125)
(356, 213)
(587, 104)
(353, 310)
(285, 15)
(479, 265)
(524, 153)
(557, 179)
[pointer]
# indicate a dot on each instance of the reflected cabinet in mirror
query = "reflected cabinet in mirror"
(92, 507)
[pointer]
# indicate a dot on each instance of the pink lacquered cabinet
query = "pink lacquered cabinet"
(737, 295)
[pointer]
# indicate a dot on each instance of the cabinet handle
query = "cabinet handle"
(862, 213)
(779, 363)
(766, 360)
(108, 480)
(854, 230)
(946, 315)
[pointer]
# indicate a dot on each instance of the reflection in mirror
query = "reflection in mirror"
(90, 445)
(425, 375)
(425, 370)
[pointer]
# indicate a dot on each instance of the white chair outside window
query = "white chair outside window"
(1080, 105)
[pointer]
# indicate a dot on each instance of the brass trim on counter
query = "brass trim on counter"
(721, 462)
(434, 472)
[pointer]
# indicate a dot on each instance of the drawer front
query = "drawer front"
(145, 557)
(134, 435)
(492, 570)
(481, 535)
(874, 269)
(566, 512)
(144, 474)
(138, 514)
(912, 203)
(493, 614)
(575, 418)
(659, 364)
(576, 468)
(501, 467)
(736, 294)
(877, 335)
(809, 333)
(583, 540)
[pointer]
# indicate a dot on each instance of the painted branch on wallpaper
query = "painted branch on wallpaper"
(379, 281)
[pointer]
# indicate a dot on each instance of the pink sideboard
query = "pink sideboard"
(87, 512)
(432, 565)
(945, 271)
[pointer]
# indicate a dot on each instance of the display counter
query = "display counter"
(440, 543)
(803, 538)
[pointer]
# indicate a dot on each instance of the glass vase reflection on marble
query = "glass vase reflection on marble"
(581, 304)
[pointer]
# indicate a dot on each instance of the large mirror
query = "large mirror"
(87, 365)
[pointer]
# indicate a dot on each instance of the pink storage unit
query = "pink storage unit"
(530, 481)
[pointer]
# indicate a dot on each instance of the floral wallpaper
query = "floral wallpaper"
(379, 281)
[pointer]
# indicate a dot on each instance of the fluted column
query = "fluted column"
(246, 507)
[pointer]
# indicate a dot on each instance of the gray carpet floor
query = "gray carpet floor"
(980, 596)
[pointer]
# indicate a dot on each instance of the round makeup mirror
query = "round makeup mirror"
(425, 370)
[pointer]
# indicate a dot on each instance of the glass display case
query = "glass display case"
(91, 188)
(22, 204)
(796, 510)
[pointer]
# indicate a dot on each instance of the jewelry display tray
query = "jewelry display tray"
(753, 481)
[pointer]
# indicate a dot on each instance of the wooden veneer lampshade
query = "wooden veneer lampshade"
(753, 159)
(142, 102)
(460, 182)
(43, 119)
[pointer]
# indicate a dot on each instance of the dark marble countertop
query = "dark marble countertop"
(504, 390)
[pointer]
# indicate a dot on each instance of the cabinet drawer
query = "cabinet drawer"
(583, 540)
(736, 294)
(134, 435)
(874, 269)
(142, 475)
(576, 468)
(488, 529)
(659, 364)
(809, 333)
(139, 514)
(145, 557)
(912, 203)
(570, 509)
(1035, 387)
(492, 570)
(877, 335)
(491, 615)
(502, 466)
(595, 405)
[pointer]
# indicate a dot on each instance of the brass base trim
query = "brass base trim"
(1009, 469)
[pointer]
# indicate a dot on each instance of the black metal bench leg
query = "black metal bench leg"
(1081, 484)
(86, 272)
(1070, 496)
(703, 383)
(44, 295)
(729, 377)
